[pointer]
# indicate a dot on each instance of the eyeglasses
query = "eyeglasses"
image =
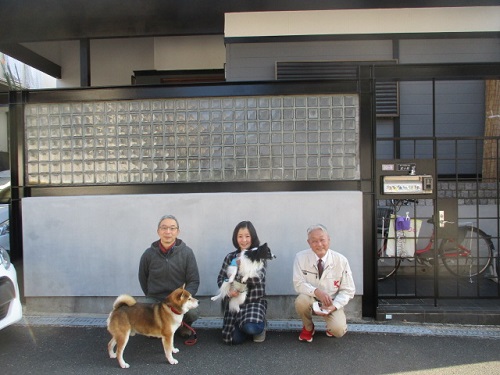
(167, 229)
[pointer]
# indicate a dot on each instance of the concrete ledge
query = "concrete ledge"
(279, 307)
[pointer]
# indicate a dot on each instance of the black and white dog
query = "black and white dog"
(251, 264)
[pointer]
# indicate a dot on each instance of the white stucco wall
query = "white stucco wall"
(113, 61)
(70, 64)
(63, 53)
(363, 21)
(91, 245)
(189, 52)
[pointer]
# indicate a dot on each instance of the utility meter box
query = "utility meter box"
(406, 179)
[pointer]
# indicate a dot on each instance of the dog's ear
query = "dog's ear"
(181, 295)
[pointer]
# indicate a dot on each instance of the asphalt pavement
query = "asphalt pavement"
(78, 345)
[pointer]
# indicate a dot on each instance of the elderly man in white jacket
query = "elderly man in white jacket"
(329, 283)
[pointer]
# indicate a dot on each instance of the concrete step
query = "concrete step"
(475, 312)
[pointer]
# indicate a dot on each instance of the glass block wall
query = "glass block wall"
(280, 138)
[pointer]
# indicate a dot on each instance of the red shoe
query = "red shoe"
(306, 335)
(329, 334)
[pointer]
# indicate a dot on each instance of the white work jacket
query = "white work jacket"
(336, 279)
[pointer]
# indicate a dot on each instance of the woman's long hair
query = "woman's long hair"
(253, 234)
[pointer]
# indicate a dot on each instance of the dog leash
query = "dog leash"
(190, 341)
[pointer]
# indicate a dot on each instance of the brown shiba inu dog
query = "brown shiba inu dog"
(155, 320)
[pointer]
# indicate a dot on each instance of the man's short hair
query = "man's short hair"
(317, 226)
(168, 217)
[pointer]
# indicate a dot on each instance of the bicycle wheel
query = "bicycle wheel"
(470, 255)
(386, 266)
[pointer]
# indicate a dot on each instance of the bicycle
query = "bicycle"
(467, 256)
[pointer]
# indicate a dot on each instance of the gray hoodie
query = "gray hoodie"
(160, 274)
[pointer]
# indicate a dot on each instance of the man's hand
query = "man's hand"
(326, 302)
(327, 310)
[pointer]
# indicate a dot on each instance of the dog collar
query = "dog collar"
(175, 311)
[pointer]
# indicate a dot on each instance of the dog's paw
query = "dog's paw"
(124, 365)
(173, 361)
(175, 350)
(112, 355)
(215, 298)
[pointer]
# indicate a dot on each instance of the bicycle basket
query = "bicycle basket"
(402, 243)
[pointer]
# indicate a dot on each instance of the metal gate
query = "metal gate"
(437, 227)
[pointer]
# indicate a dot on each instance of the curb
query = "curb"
(492, 332)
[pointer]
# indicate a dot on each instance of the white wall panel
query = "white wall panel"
(189, 52)
(113, 61)
(363, 21)
(91, 245)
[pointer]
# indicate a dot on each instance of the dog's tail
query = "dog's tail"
(122, 300)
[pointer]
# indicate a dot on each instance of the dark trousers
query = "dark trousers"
(247, 330)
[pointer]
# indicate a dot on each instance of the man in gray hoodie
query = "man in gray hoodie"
(169, 264)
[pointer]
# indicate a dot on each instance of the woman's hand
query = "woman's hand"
(233, 293)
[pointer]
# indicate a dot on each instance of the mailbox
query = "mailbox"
(405, 179)
(407, 184)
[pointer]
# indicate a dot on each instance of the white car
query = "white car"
(4, 227)
(11, 310)
(4, 185)
(4, 208)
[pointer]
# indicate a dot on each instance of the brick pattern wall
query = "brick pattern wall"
(468, 193)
